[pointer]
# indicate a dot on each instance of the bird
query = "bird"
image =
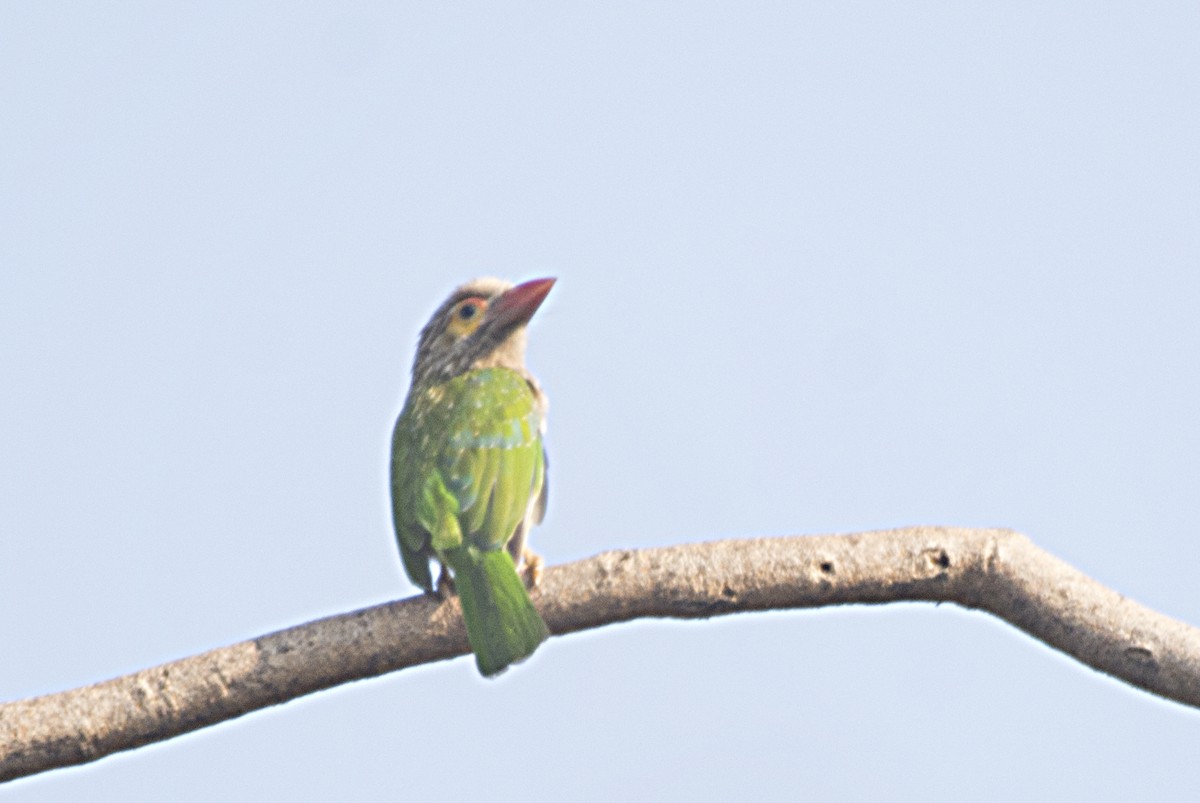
(468, 467)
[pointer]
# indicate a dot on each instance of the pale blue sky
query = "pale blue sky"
(822, 268)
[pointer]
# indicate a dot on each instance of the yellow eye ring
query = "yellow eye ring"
(466, 315)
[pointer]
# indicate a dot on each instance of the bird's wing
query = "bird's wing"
(406, 469)
(493, 462)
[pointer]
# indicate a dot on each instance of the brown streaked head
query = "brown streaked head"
(481, 324)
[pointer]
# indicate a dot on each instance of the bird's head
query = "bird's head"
(481, 324)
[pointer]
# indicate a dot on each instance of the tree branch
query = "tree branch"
(993, 570)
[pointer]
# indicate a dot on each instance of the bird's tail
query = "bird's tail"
(502, 624)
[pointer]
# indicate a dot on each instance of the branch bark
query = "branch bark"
(998, 571)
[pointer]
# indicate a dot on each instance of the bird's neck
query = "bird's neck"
(510, 354)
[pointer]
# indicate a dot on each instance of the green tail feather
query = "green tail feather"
(502, 624)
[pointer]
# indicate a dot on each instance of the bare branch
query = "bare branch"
(994, 570)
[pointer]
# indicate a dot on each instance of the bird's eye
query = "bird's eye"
(466, 316)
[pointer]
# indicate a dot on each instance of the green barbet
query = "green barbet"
(469, 468)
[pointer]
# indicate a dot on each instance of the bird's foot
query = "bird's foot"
(445, 585)
(534, 566)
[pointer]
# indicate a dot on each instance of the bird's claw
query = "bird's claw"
(445, 585)
(534, 567)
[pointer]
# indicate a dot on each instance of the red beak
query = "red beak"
(516, 306)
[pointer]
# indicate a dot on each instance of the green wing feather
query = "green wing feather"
(493, 453)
